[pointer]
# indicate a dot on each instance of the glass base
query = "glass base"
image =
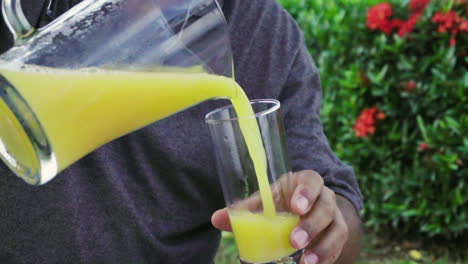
(294, 258)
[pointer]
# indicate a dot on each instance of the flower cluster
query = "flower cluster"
(366, 123)
(452, 23)
(378, 17)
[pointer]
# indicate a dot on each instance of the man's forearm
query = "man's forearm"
(352, 248)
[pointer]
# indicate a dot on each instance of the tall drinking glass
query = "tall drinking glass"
(260, 237)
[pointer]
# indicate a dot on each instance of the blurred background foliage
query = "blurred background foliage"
(396, 109)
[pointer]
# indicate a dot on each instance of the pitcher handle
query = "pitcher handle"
(16, 20)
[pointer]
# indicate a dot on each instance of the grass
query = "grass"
(371, 254)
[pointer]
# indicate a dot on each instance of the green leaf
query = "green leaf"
(459, 197)
(448, 6)
(381, 74)
(409, 213)
(404, 64)
(465, 79)
(394, 207)
(431, 227)
(453, 124)
(422, 128)
(453, 166)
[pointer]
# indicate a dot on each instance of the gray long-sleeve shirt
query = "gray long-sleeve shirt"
(148, 197)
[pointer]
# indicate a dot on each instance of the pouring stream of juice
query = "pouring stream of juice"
(82, 110)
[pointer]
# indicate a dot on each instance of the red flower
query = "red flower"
(381, 116)
(378, 17)
(410, 86)
(408, 26)
(453, 41)
(417, 6)
(464, 26)
(424, 146)
(366, 123)
(450, 22)
(447, 21)
(397, 23)
(387, 27)
(442, 29)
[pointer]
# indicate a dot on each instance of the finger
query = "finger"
(329, 247)
(307, 187)
(220, 220)
(252, 204)
(316, 221)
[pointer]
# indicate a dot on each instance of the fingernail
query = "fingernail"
(301, 237)
(311, 258)
(302, 203)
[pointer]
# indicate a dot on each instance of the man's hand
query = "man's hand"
(329, 228)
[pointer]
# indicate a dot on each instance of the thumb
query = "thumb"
(220, 220)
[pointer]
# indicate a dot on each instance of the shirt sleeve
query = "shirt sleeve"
(308, 147)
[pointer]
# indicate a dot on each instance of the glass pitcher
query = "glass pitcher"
(102, 70)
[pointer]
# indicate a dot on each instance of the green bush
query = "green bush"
(413, 169)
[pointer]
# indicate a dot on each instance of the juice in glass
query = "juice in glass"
(261, 238)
